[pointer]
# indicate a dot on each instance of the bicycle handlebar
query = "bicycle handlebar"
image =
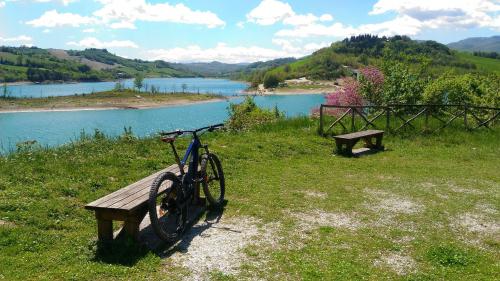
(179, 132)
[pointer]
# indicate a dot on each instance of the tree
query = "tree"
(138, 81)
(184, 88)
(271, 80)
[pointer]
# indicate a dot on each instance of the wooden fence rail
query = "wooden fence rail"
(402, 116)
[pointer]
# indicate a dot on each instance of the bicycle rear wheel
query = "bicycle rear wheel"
(213, 179)
(166, 211)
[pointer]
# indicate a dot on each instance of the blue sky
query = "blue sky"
(234, 31)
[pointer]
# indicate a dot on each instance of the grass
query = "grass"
(270, 172)
(115, 99)
(484, 64)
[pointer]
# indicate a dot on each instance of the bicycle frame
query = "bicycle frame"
(194, 151)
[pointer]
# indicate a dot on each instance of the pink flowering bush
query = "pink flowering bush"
(372, 84)
(345, 96)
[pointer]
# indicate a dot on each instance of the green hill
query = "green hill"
(338, 59)
(40, 65)
(478, 44)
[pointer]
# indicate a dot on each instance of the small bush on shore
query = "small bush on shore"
(247, 114)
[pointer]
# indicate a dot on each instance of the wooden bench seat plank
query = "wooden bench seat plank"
(129, 190)
(350, 140)
(133, 201)
(358, 135)
(122, 191)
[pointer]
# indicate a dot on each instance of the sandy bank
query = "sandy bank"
(109, 107)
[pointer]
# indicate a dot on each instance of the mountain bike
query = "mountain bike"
(171, 194)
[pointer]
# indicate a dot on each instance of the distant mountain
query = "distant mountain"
(219, 69)
(210, 69)
(483, 44)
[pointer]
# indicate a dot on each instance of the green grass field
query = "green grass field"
(484, 64)
(425, 209)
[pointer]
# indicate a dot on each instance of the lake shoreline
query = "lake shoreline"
(99, 108)
(290, 92)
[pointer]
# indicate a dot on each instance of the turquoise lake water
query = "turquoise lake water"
(195, 85)
(57, 128)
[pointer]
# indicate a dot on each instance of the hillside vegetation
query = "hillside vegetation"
(340, 58)
(479, 44)
(40, 65)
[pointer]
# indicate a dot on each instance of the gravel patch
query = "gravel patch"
(477, 223)
(459, 189)
(218, 247)
(399, 263)
(390, 203)
(317, 218)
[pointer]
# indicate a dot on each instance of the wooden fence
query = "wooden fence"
(399, 117)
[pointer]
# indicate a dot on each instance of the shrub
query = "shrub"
(349, 94)
(464, 89)
(372, 84)
(247, 114)
(271, 80)
(402, 85)
(138, 81)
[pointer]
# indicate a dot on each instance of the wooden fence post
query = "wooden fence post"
(353, 128)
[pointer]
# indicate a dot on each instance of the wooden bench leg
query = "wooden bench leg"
(339, 148)
(379, 142)
(133, 222)
(104, 228)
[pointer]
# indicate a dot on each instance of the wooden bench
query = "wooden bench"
(129, 204)
(350, 140)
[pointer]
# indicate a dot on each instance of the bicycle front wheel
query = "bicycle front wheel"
(213, 179)
(166, 211)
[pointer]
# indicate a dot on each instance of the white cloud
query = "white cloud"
(123, 14)
(269, 12)
(445, 13)
(234, 54)
(296, 48)
(2, 4)
(18, 40)
(54, 19)
(221, 52)
(91, 42)
(46, 30)
(240, 24)
(89, 30)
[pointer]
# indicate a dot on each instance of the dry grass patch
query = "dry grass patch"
(400, 263)
(392, 204)
(318, 218)
(315, 194)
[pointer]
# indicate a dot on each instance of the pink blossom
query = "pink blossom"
(348, 95)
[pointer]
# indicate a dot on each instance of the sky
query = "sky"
(234, 31)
